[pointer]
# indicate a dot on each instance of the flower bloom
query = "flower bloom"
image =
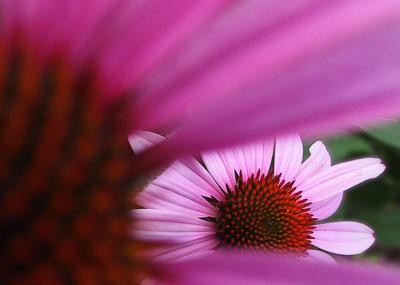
(77, 76)
(245, 201)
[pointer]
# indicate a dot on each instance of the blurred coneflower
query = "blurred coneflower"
(76, 77)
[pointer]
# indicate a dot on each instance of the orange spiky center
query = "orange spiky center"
(65, 176)
(263, 213)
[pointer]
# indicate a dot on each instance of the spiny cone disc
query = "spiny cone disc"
(263, 213)
(65, 180)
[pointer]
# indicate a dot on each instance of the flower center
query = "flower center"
(263, 213)
(65, 176)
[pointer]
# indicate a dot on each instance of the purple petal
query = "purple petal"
(152, 30)
(225, 268)
(352, 81)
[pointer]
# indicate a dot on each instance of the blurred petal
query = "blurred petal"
(235, 269)
(153, 30)
(335, 23)
(343, 237)
(349, 83)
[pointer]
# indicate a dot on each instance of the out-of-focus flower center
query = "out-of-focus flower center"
(263, 213)
(65, 180)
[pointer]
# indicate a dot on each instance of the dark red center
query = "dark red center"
(263, 213)
(65, 175)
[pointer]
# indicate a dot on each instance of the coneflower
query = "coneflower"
(243, 201)
(76, 77)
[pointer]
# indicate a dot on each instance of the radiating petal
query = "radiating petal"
(202, 246)
(271, 53)
(320, 256)
(325, 208)
(247, 159)
(318, 160)
(288, 156)
(148, 32)
(182, 188)
(218, 167)
(258, 156)
(167, 226)
(349, 84)
(345, 238)
(238, 269)
(341, 177)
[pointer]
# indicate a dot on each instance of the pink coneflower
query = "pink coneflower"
(243, 200)
(77, 76)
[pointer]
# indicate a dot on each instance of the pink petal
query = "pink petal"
(229, 31)
(143, 140)
(168, 226)
(270, 54)
(181, 188)
(320, 256)
(340, 177)
(349, 83)
(325, 208)
(318, 160)
(247, 159)
(288, 156)
(238, 269)
(202, 246)
(274, 50)
(217, 165)
(343, 237)
(128, 38)
(157, 198)
(148, 32)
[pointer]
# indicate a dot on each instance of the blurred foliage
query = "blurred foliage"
(377, 202)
